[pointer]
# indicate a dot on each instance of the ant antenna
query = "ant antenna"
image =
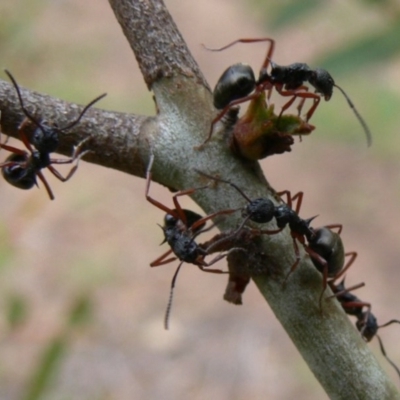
(21, 102)
(392, 321)
(171, 293)
(70, 125)
(218, 179)
(34, 120)
(359, 117)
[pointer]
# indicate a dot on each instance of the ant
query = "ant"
(22, 168)
(263, 210)
(366, 322)
(238, 85)
(323, 245)
(181, 227)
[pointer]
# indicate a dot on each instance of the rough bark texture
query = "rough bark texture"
(333, 349)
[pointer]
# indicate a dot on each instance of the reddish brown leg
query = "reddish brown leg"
(13, 149)
(287, 93)
(269, 52)
(21, 132)
(346, 290)
(339, 227)
(161, 260)
(210, 216)
(296, 263)
(224, 111)
(353, 256)
(24, 139)
(150, 199)
(302, 95)
(46, 185)
(289, 199)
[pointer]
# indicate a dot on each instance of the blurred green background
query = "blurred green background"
(81, 313)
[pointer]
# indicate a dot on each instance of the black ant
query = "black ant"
(263, 210)
(366, 322)
(21, 168)
(181, 227)
(238, 85)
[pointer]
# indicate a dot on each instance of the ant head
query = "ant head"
(45, 139)
(17, 174)
(323, 82)
(236, 82)
(260, 210)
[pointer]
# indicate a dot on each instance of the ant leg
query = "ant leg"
(217, 258)
(24, 139)
(210, 216)
(150, 199)
(13, 149)
(320, 260)
(71, 172)
(270, 231)
(290, 199)
(303, 95)
(269, 52)
(201, 221)
(353, 256)
(339, 227)
(299, 197)
(298, 92)
(178, 208)
(161, 260)
(300, 106)
(45, 183)
(310, 112)
(76, 156)
(296, 263)
(22, 134)
(346, 290)
(288, 195)
(223, 112)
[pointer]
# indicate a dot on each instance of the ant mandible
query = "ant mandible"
(21, 168)
(238, 85)
(181, 227)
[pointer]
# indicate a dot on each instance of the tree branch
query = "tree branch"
(333, 349)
